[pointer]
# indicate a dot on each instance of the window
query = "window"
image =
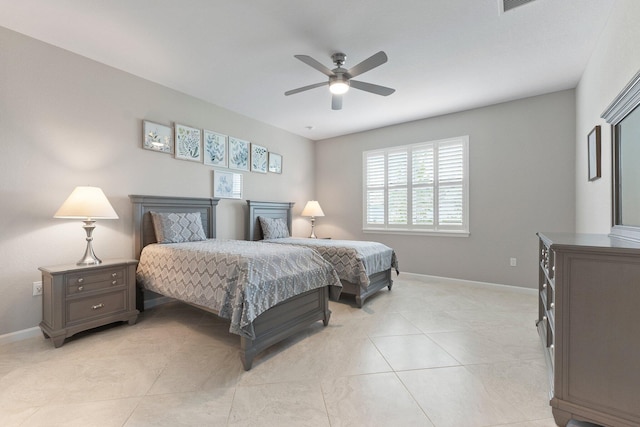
(418, 188)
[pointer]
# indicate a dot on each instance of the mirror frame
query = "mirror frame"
(623, 104)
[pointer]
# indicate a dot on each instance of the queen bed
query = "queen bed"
(267, 294)
(364, 267)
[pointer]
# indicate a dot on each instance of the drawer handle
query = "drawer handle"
(114, 274)
(544, 318)
(114, 282)
(553, 304)
(80, 280)
(80, 288)
(97, 306)
(544, 286)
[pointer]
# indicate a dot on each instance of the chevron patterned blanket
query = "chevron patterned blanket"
(238, 280)
(354, 260)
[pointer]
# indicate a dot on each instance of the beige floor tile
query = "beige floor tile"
(490, 345)
(454, 397)
(209, 408)
(404, 352)
(108, 413)
(370, 401)
(180, 366)
(285, 404)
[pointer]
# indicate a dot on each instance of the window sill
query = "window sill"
(441, 233)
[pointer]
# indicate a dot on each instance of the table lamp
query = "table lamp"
(88, 204)
(312, 209)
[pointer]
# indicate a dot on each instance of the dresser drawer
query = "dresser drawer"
(95, 280)
(80, 309)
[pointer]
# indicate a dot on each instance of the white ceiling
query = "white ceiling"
(444, 55)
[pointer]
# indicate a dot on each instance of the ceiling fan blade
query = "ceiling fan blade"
(368, 64)
(336, 102)
(315, 64)
(368, 87)
(303, 88)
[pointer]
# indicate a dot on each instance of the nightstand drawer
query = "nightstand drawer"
(99, 305)
(95, 280)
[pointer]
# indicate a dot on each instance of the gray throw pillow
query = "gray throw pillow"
(273, 228)
(178, 227)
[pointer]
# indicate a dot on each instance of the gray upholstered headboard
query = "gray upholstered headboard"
(253, 231)
(143, 232)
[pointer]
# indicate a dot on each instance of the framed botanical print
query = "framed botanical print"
(238, 154)
(227, 185)
(188, 143)
(258, 158)
(215, 148)
(157, 137)
(275, 162)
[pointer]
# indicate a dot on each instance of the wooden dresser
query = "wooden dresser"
(589, 323)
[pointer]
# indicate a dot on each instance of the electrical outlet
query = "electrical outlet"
(37, 288)
(513, 262)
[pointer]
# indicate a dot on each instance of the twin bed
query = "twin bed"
(268, 292)
(364, 267)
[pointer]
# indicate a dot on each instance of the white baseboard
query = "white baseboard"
(20, 335)
(426, 277)
(154, 302)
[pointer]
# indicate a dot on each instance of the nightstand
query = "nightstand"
(76, 298)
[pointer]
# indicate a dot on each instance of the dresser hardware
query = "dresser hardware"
(80, 280)
(114, 282)
(80, 288)
(114, 274)
(97, 306)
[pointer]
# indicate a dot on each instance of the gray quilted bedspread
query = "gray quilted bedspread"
(354, 260)
(238, 280)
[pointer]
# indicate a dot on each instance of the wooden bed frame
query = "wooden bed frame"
(253, 231)
(279, 322)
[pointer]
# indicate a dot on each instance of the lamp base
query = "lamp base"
(313, 234)
(89, 257)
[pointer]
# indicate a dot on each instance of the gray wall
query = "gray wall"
(614, 62)
(521, 159)
(68, 121)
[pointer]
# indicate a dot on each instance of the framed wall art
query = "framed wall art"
(157, 137)
(238, 154)
(593, 148)
(188, 143)
(227, 185)
(214, 148)
(275, 162)
(258, 158)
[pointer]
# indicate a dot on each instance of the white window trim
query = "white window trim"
(420, 230)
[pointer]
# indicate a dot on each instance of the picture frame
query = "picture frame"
(227, 185)
(259, 159)
(214, 148)
(157, 137)
(275, 162)
(593, 150)
(188, 146)
(238, 154)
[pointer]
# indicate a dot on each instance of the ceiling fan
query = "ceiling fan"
(340, 79)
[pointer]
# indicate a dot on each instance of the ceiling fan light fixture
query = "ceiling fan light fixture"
(338, 85)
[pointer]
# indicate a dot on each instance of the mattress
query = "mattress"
(236, 279)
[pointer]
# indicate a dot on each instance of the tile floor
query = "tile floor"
(428, 353)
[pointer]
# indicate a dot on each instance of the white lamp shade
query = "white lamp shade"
(312, 208)
(86, 202)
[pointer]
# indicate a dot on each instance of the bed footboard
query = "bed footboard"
(377, 281)
(285, 319)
